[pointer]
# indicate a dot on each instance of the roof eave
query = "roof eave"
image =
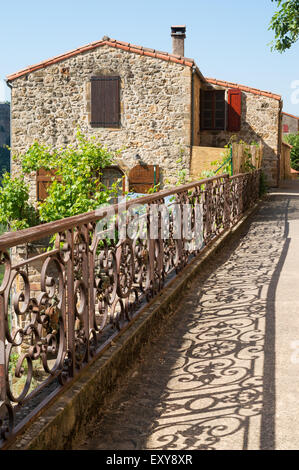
(107, 42)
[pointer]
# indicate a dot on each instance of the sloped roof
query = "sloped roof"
(256, 91)
(105, 42)
(290, 115)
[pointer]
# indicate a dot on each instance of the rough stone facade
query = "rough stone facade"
(49, 104)
(260, 122)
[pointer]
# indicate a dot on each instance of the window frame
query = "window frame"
(213, 93)
(116, 91)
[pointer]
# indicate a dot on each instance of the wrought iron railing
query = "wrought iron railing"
(69, 286)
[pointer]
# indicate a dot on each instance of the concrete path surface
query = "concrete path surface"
(224, 373)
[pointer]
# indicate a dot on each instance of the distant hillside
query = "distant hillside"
(4, 137)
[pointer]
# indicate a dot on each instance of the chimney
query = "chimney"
(178, 34)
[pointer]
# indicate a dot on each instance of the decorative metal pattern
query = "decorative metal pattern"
(58, 308)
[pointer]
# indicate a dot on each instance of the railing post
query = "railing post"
(2, 350)
(85, 278)
(227, 203)
(207, 211)
(70, 299)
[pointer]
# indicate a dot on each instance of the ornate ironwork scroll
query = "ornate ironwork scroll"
(61, 302)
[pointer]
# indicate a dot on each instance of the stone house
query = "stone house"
(290, 124)
(156, 106)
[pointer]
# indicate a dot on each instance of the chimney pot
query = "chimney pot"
(178, 34)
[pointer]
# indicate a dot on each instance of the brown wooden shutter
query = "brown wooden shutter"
(142, 178)
(206, 109)
(219, 113)
(105, 103)
(234, 109)
(44, 180)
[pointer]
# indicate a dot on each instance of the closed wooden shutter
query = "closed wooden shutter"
(234, 109)
(105, 103)
(206, 109)
(219, 118)
(142, 178)
(44, 180)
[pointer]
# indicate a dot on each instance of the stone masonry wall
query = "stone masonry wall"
(49, 104)
(259, 123)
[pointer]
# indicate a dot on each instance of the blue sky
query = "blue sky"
(227, 38)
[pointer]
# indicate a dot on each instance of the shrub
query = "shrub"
(78, 188)
(15, 210)
(293, 139)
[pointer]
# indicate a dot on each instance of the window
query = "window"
(105, 101)
(212, 109)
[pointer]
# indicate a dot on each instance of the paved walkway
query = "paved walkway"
(225, 372)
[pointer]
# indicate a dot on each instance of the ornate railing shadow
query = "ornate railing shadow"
(61, 305)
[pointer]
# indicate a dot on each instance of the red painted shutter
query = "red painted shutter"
(105, 103)
(234, 109)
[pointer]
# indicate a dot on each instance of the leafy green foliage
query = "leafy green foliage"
(15, 210)
(248, 166)
(293, 139)
(154, 189)
(263, 184)
(4, 160)
(78, 188)
(285, 24)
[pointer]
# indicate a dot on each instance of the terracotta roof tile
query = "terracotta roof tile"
(105, 42)
(291, 115)
(256, 91)
(136, 47)
(137, 50)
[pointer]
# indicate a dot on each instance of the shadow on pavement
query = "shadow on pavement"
(208, 381)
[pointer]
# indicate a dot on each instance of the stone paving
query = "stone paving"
(224, 372)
